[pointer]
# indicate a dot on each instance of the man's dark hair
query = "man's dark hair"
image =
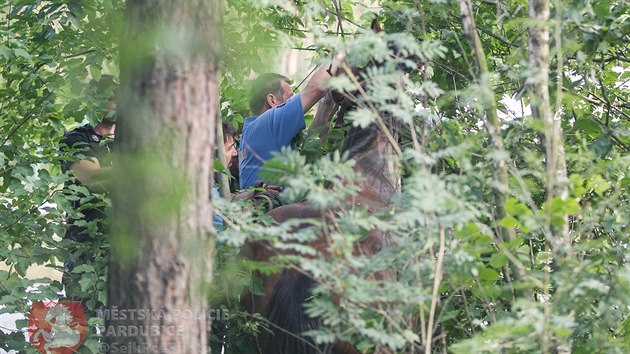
(263, 85)
(228, 130)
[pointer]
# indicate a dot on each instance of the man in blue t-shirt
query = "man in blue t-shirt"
(278, 116)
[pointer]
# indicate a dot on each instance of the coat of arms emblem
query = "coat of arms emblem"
(57, 327)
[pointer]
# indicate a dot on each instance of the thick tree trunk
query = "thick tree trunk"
(538, 88)
(162, 251)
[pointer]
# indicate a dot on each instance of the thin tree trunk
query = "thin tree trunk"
(493, 126)
(222, 178)
(162, 252)
(556, 168)
(538, 87)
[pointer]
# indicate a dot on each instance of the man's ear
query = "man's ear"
(271, 100)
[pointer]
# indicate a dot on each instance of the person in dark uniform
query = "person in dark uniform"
(90, 167)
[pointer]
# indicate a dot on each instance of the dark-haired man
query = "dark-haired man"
(278, 116)
(88, 144)
(229, 151)
(91, 168)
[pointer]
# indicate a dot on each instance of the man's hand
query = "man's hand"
(90, 173)
(84, 169)
(316, 87)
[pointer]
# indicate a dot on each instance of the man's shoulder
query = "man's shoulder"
(83, 134)
(292, 106)
(248, 121)
(291, 102)
(83, 131)
(291, 109)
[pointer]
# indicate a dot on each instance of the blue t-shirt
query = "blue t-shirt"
(265, 134)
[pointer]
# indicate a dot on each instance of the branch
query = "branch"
(434, 296)
(345, 18)
(602, 87)
(598, 100)
(309, 31)
(24, 120)
(339, 17)
(8, 226)
(451, 70)
(497, 37)
(79, 54)
(305, 49)
(608, 131)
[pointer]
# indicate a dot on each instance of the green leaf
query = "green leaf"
(467, 231)
(572, 207)
(598, 184)
(95, 71)
(509, 222)
(20, 269)
(588, 126)
(557, 220)
(256, 287)
(83, 268)
(22, 53)
(514, 243)
(560, 206)
(536, 124)
(516, 208)
(488, 275)
(601, 8)
(498, 260)
(577, 185)
(602, 145)
(86, 283)
(543, 258)
(361, 117)
(5, 52)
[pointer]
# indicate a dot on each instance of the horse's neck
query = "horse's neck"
(379, 170)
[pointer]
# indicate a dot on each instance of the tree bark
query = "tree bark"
(538, 88)
(162, 250)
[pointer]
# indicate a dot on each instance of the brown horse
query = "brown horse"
(287, 291)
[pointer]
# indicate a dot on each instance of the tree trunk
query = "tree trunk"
(162, 250)
(493, 126)
(538, 87)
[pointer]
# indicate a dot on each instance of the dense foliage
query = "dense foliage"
(53, 53)
(524, 294)
(459, 286)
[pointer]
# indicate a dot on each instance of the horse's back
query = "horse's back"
(294, 211)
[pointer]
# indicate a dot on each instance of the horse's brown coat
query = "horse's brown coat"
(375, 194)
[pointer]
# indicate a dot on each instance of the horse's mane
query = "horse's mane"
(359, 139)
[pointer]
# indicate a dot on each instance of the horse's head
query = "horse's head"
(373, 145)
